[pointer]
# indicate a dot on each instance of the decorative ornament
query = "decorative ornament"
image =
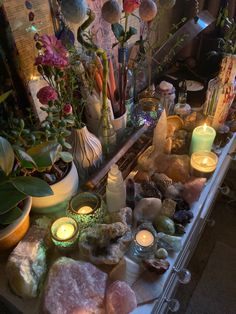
(148, 10)
(74, 10)
(111, 11)
(167, 4)
(86, 148)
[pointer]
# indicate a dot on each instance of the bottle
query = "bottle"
(182, 109)
(115, 190)
(166, 96)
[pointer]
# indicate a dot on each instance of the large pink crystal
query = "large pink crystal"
(74, 287)
(120, 298)
(192, 189)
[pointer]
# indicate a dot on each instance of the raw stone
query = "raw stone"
(120, 298)
(74, 287)
(105, 243)
(26, 264)
(147, 209)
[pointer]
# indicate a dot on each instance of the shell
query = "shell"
(111, 11)
(147, 10)
(176, 122)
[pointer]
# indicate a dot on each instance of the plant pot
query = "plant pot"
(63, 191)
(13, 233)
(119, 124)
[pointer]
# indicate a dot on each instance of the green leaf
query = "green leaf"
(45, 154)
(132, 31)
(25, 159)
(118, 30)
(11, 216)
(6, 156)
(9, 197)
(67, 145)
(4, 96)
(66, 156)
(32, 186)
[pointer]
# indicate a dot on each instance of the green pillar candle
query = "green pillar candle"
(202, 139)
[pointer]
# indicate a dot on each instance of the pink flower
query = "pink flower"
(130, 5)
(46, 94)
(54, 53)
(67, 109)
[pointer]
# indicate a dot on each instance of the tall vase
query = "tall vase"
(86, 149)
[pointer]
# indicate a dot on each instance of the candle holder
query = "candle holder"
(87, 209)
(203, 164)
(144, 244)
(64, 233)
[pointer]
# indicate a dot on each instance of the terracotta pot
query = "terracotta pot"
(13, 233)
(63, 191)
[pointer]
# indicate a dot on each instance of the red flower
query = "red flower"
(46, 94)
(130, 5)
(67, 109)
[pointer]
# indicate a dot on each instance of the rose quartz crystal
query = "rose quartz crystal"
(120, 298)
(192, 189)
(74, 287)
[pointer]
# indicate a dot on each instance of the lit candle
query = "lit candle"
(144, 238)
(204, 162)
(85, 210)
(65, 231)
(202, 138)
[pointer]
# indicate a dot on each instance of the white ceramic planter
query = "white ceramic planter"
(63, 191)
(13, 233)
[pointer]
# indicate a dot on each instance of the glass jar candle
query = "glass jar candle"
(203, 163)
(87, 209)
(202, 138)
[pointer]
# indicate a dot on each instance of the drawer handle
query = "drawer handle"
(232, 155)
(225, 190)
(173, 305)
(211, 222)
(184, 275)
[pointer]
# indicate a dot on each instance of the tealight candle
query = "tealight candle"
(144, 241)
(85, 210)
(203, 163)
(144, 238)
(202, 138)
(64, 232)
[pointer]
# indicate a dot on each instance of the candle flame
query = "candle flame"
(204, 161)
(204, 127)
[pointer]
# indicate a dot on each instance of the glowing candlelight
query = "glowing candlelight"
(204, 162)
(65, 231)
(144, 238)
(85, 210)
(202, 138)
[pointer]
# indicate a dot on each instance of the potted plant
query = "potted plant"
(16, 189)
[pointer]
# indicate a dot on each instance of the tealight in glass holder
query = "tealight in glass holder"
(203, 164)
(87, 209)
(145, 238)
(64, 233)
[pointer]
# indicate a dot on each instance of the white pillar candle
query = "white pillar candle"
(144, 238)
